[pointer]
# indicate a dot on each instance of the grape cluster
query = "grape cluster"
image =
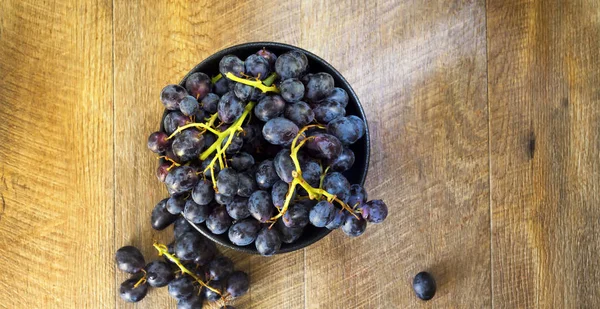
(192, 271)
(258, 152)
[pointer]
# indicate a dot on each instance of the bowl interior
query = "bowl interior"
(356, 174)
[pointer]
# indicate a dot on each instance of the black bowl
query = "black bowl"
(356, 174)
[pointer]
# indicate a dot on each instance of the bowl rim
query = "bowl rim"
(352, 96)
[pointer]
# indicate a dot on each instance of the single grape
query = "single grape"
(343, 162)
(279, 131)
(374, 211)
(319, 86)
(220, 268)
(198, 85)
(236, 144)
(358, 195)
(181, 179)
(182, 226)
(162, 170)
(311, 172)
(268, 241)
(221, 86)
(238, 284)
(176, 203)
(227, 181)
(189, 106)
(284, 166)
(158, 142)
(161, 218)
(203, 193)
(269, 107)
(238, 208)
(345, 129)
(188, 144)
(230, 108)
(321, 214)
(192, 302)
(326, 111)
(205, 255)
(246, 185)
(204, 167)
(292, 90)
(200, 116)
(196, 213)
(242, 161)
(244, 92)
(173, 120)
(296, 216)
(159, 274)
(188, 245)
(129, 259)
(266, 175)
(279, 192)
(181, 287)
(244, 232)
(171, 95)
(324, 146)
(257, 66)
(260, 205)
(339, 217)
(171, 155)
(209, 103)
(338, 95)
(288, 234)
(129, 292)
(424, 285)
(360, 124)
(231, 64)
(335, 183)
(222, 199)
(218, 221)
(354, 227)
(211, 295)
(291, 65)
(299, 113)
(270, 56)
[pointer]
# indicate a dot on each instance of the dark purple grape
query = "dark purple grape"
(296, 216)
(319, 86)
(291, 65)
(299, 113)
(209, 294)
(160, 217)
(204, 166)
(279, 192)
(270, 56)
(288, 234)
(251, 132)
(338, 95)
(284, 166)
(257, 66)
(311, 172)
(181, 287)
(196, 213)
(238, 284)
(189, 245)
(236, 144)
(260, 205)
(159, 274)
(181, 179)
(242, 161)
(158, 142)
(244, 92)
(206, 255)
(269, 107)
(424, 285)
(171, 95)
(266, 175)
(343, 162)
(203, 192)
(360, 124)
(324, 146)
(292, 90)
(220, 268)
(173, 157)
(162, 170)
(328, 110)
(335, 183)
(231, 64)
(354, 227)
(176, 203)
(221, 86)
(227, 181)
(209, 139)
(246, 185)
(131, 293)
(244, 232)
(174, 120)
(268, 241)
(219, 221)
(129, 259)
(181, 226)
(192, 302)
(279, 131)
(321, 214)
(339, 217)
(238, 208)
(222, 199)
(200, 116)
(374, 211)
(188, 144)
(210, 103)
(345, 129)
(230, 108)
(198, 85)
(358, 195)
(189, 106)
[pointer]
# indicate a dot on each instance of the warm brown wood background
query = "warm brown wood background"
(485, 121)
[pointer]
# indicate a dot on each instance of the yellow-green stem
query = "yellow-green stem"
(254, 83)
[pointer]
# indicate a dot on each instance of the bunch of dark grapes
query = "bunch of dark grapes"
(258, 152)
(192, 270)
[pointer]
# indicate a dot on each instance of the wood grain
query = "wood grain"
(56, 155)
(544, 69)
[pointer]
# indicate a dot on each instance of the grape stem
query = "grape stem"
(255, 83)
(163, 250)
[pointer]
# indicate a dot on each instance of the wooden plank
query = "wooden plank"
(544, 72)
(56, 156)
(157, 44)
(419, 68)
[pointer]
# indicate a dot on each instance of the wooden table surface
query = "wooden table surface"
(485, 124)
